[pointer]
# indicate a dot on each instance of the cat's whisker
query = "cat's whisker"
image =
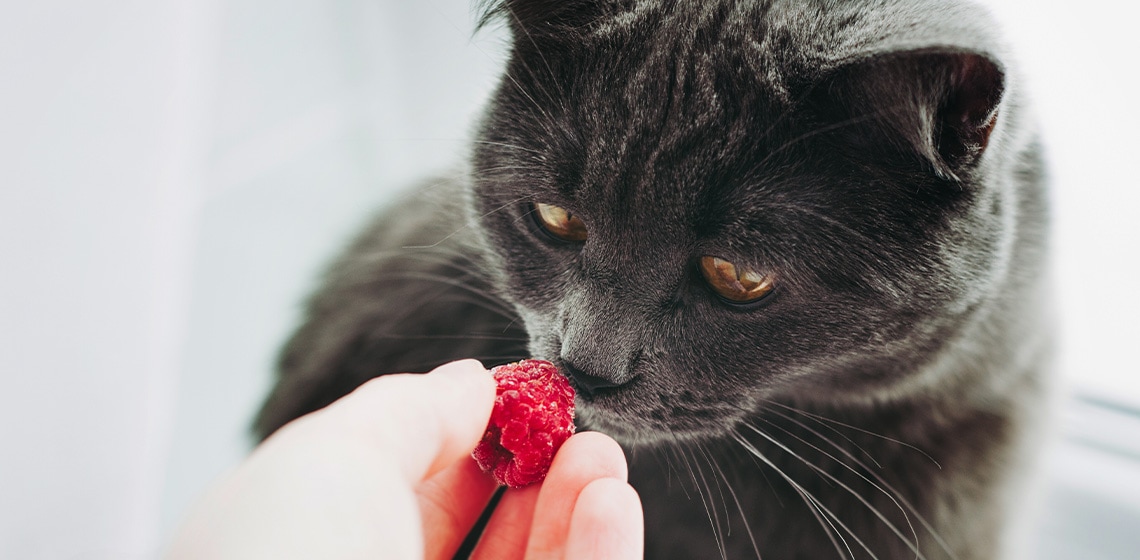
(469, 224)
(822, 419)
(813, 505)
(508, 146)
(739, 506)
(866, 503)
(670, 466)
(710, 507)
(519, 88)
(548, 121)
(759, 468)
(514, 320)
(483, 299)
(700, 448)
(824, 515)
(851, 233)
(674, 447)
(446, 253)
(480, 300)
(525, 215)
(660, 458)
(675, 453)
(444, 180)
(822, 130)
(449, 337)
(492, 171)
(561, 97)
(870, 251)
(843, 451)
(440, 256)
(490, 303)
(450, 257)
(445, 257)
(692, 476)
(833, 430)
(830, 514)
(912, 544)
(886, 486)
(784, 116)
(505, 205)
(710, 504)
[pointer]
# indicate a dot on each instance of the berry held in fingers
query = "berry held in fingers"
(533, 416)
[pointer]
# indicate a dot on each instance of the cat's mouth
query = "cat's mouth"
(651, 424)
(641, 409)
(637, 413)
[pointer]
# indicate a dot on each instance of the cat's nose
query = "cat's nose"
(586, 383)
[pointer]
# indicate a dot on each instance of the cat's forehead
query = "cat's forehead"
(638, 14)
(669, 108)
(688, 27)
(677, 123)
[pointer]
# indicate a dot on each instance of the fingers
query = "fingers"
(507, 531)
(450, 502)
(584, 458)
(534, 522)
(607, 522)
(422, 428)
(424, 422)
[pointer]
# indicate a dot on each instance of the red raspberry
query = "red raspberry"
(533, 416)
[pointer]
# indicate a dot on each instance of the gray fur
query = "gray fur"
(880, 403)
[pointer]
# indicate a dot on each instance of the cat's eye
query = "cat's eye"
(559, 222)
(737, 284)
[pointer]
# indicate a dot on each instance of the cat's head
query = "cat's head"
(696, 206)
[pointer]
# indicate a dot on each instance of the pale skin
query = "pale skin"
(386, 472)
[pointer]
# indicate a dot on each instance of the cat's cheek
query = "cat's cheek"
(543, 346)
(543, 343)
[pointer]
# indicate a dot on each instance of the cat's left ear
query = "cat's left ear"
(945, 105)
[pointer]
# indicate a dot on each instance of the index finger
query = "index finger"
(425, 421)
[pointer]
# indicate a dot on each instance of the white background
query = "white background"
(174, 173)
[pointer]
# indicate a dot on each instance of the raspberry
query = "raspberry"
(533, 416)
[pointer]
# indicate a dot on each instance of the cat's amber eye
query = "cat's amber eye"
(559, 222)
(735, 283)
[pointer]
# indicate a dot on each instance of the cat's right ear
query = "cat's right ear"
(541, 18)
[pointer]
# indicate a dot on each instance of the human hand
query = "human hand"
(386, 472)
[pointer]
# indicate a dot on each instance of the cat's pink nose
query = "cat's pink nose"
(586, 383)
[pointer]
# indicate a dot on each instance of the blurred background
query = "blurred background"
(174, 174)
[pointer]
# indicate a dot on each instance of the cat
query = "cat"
(792, 255)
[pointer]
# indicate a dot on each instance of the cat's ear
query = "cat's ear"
(542, 17)
(945, 105)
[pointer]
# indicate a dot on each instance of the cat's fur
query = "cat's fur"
(874, 155)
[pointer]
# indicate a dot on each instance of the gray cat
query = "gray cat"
(790, 253)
